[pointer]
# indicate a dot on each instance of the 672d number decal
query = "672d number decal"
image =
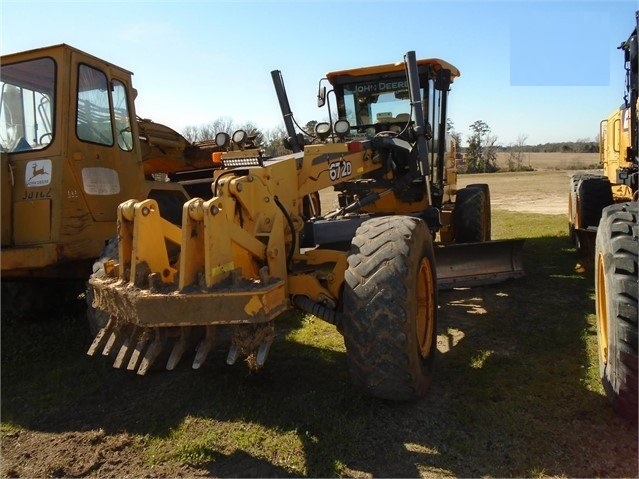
(339, 169)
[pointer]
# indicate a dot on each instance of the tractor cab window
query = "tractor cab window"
(93, 117)
(27, 105)
(380, 104)
(121, 115)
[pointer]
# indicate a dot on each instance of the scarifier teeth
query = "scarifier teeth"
(126, 348)
(139, 349)
(233, 355)
(262, 352)
(179, 348)
(204, 347)
(101, 337)
(154, 350)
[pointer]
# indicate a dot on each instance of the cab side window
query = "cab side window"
(121, 115)
(93, 118)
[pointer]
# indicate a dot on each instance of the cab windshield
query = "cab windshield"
(381, 102)
(27, 101)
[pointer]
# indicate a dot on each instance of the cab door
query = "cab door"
(103, 144)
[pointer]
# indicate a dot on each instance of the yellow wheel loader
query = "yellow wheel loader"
(259, 247)
(71, 150)
(616, 248)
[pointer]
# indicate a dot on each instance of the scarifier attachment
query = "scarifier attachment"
(169, 281)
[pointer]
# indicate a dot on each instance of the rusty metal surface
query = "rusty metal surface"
(477, 264)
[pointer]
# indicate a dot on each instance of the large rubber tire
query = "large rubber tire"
(487, 208)
(594, 194)
(572, 203)
(616, 305)
(469, 216)
(96, 318)
(390, 308)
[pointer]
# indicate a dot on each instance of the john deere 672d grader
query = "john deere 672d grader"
(260, 247)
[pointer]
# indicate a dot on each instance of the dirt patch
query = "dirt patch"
(78, 454)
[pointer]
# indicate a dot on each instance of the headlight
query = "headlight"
(322, 130)
(239, 137)
(342, 127)
(222, 139)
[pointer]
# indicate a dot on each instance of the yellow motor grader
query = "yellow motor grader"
(71, 150)
(260, 246)
(616, 245)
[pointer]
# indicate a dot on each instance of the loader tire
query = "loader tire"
(594, 194)
(616, 306)
(469, 216)
(390, 308)
(96, 318)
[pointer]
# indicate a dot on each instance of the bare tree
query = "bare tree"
(516, 154)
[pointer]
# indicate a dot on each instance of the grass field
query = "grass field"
(516, 393)
(553, 161)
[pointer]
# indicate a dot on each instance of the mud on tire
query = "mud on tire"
(390, 308)
(616, 305)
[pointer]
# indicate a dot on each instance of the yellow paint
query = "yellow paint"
(223, 268)
(253, 306)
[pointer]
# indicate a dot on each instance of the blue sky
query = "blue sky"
(548, 70)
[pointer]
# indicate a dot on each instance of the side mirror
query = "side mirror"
(321, 96)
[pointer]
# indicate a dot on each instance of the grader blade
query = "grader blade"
(478, 264)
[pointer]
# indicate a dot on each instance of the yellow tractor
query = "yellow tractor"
(71, 150)
(260, 245)
(616, 245)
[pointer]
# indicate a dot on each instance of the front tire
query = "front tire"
(616, 306)
(390, 308)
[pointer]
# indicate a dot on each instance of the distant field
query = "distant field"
(554, 161)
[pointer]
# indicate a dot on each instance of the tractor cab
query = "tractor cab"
(70, 155)
(376, 99)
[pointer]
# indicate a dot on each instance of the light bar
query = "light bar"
(242, 162)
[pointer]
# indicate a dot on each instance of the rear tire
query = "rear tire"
(593, 194)
(616, 306)
(390, 308)
(470, 216)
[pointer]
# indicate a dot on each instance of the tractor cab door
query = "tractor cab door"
(103, 138)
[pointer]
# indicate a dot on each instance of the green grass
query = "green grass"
(516, 394)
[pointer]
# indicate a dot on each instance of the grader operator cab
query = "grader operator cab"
(71, 150)
(253, 251)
